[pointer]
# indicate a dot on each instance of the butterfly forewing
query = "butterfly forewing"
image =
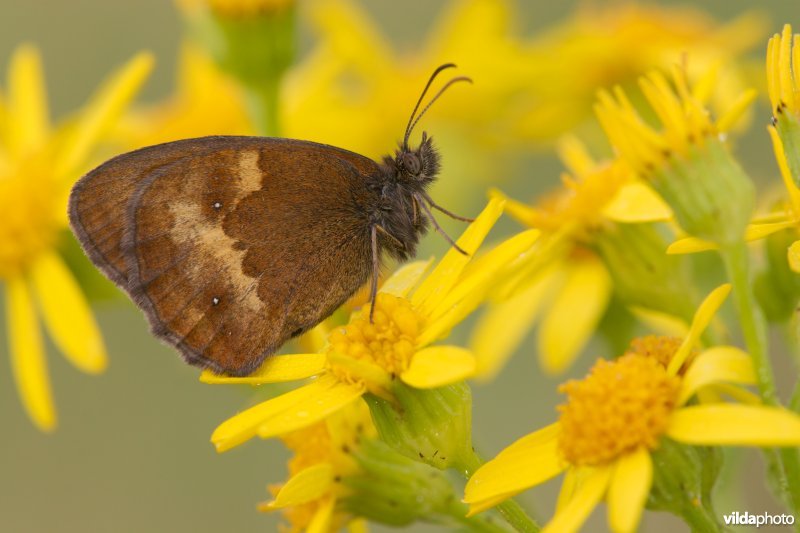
(215, 244)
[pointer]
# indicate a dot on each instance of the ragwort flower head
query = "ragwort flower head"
(614, 44)
(783, 82)
(364, 357)
(354, 74)
(38, 164)
(782, 68)
(625, 411)
(687, 161)
(322, 456)
(205, 101)
(595, 240)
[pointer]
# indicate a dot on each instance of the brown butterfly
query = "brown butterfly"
(233, 245)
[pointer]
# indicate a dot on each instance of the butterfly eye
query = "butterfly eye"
(411, 163)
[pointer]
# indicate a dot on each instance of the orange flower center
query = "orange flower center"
(621, 406)
(662, 349)
(582, 199)
(28, 224)
(388, 342)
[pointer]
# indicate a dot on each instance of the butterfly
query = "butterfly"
(232, 245)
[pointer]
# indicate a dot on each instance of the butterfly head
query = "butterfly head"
(416, 167)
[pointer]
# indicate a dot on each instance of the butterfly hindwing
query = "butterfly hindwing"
(236, 247)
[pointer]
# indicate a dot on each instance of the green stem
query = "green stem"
(263, 102)
(699, 518)
(794, 400)
(785, 462)
(510, 510)
(750, 319)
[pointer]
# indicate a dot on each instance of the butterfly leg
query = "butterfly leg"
(438, 228)
(376, 267)
(397, 241)
(443, 210)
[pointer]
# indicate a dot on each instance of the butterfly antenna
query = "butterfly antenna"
(409, 127)
(436, 97)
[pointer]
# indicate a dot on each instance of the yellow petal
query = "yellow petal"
(690, 245)
(276, 369)
(755, 232)
(572, 516)
(27, 356)
(735, 425)
(628, 490)
(345, 27)
(483, 505)
(27, 102)
(438, 366)
(786, 174)
(702, 318)
(310, 410)
(405, 278)
(735, 111)
(470, 291)
(101, 112)
(530, 461)
(67, 314)
(514, 318)
(309, 484)
(321, 522)
(570, 483)
(717, 364)
(522, 213)
(574, 315)
(446, 273)
(362, 370)
(636, 202)
(315, 339)
(660, 323)
(295, 409)
(793, 256)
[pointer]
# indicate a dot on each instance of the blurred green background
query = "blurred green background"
(132, 451)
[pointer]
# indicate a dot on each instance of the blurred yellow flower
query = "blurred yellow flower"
(686, 160)
(782, 59)
(322, 458)
(616, 416)
(603, 45)
(206, 101)
(565, 284)
(38, 164)
(366, 357)
(353, 90)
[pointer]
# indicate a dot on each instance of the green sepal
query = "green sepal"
(433, 426)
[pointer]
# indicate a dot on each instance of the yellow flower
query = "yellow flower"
(322, 457)
(614, 44)
(367, 357)
(686, 161)
(620, 413)
(784, 90)
(353, 75)
(205, 102)
(38, 164)
(783, 82)
(565, 284)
